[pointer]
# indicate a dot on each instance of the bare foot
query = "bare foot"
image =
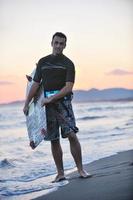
(59, 178)
(84, 174)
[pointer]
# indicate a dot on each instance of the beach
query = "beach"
(105, 128)
(112, 180)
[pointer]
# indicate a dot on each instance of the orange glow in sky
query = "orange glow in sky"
(99, 41)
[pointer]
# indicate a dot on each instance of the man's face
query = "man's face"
(58, 45)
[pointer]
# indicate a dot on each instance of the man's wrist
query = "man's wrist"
(51, 99)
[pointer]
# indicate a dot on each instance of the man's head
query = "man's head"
(58, 43)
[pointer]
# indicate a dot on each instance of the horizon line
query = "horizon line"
(21, 100)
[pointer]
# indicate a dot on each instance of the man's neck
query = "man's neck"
(57, 54)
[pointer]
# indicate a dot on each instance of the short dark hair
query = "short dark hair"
(59, 34)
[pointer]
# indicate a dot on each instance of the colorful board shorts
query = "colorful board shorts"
(60, 118)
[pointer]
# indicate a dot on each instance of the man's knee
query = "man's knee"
(72, 137)
(55, 142)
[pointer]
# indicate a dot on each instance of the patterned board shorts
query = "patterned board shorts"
(60, 118)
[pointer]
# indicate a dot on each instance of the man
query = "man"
(57, 73)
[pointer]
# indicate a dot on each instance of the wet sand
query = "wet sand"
(112, 180)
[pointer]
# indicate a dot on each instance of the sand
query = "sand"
(112, 180)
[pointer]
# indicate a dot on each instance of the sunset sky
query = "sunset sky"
(100, 41)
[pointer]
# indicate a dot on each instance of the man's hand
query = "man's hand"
(46, 101)
(26, 109)
(63, 92)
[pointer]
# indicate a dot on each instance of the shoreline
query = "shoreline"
(112, 180)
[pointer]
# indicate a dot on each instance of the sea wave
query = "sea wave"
(129, 122)
(6, 163)
(21, 188)
(91, 117)
(104, 108)
(24, 189)
(12, 125)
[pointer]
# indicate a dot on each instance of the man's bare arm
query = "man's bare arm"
(31, 94)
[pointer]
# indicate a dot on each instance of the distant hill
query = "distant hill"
(111, 94)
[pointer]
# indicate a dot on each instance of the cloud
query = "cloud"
(6, 83)
(120, 72)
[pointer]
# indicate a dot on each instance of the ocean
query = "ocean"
(105, 129)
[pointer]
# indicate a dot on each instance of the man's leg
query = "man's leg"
(57, 155)
(77, 155)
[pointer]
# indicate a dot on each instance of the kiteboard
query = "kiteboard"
(36, 116)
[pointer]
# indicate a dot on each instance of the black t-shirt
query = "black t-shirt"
(54, 71)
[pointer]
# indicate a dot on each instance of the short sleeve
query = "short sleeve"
(38, 75)
(70, 75)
